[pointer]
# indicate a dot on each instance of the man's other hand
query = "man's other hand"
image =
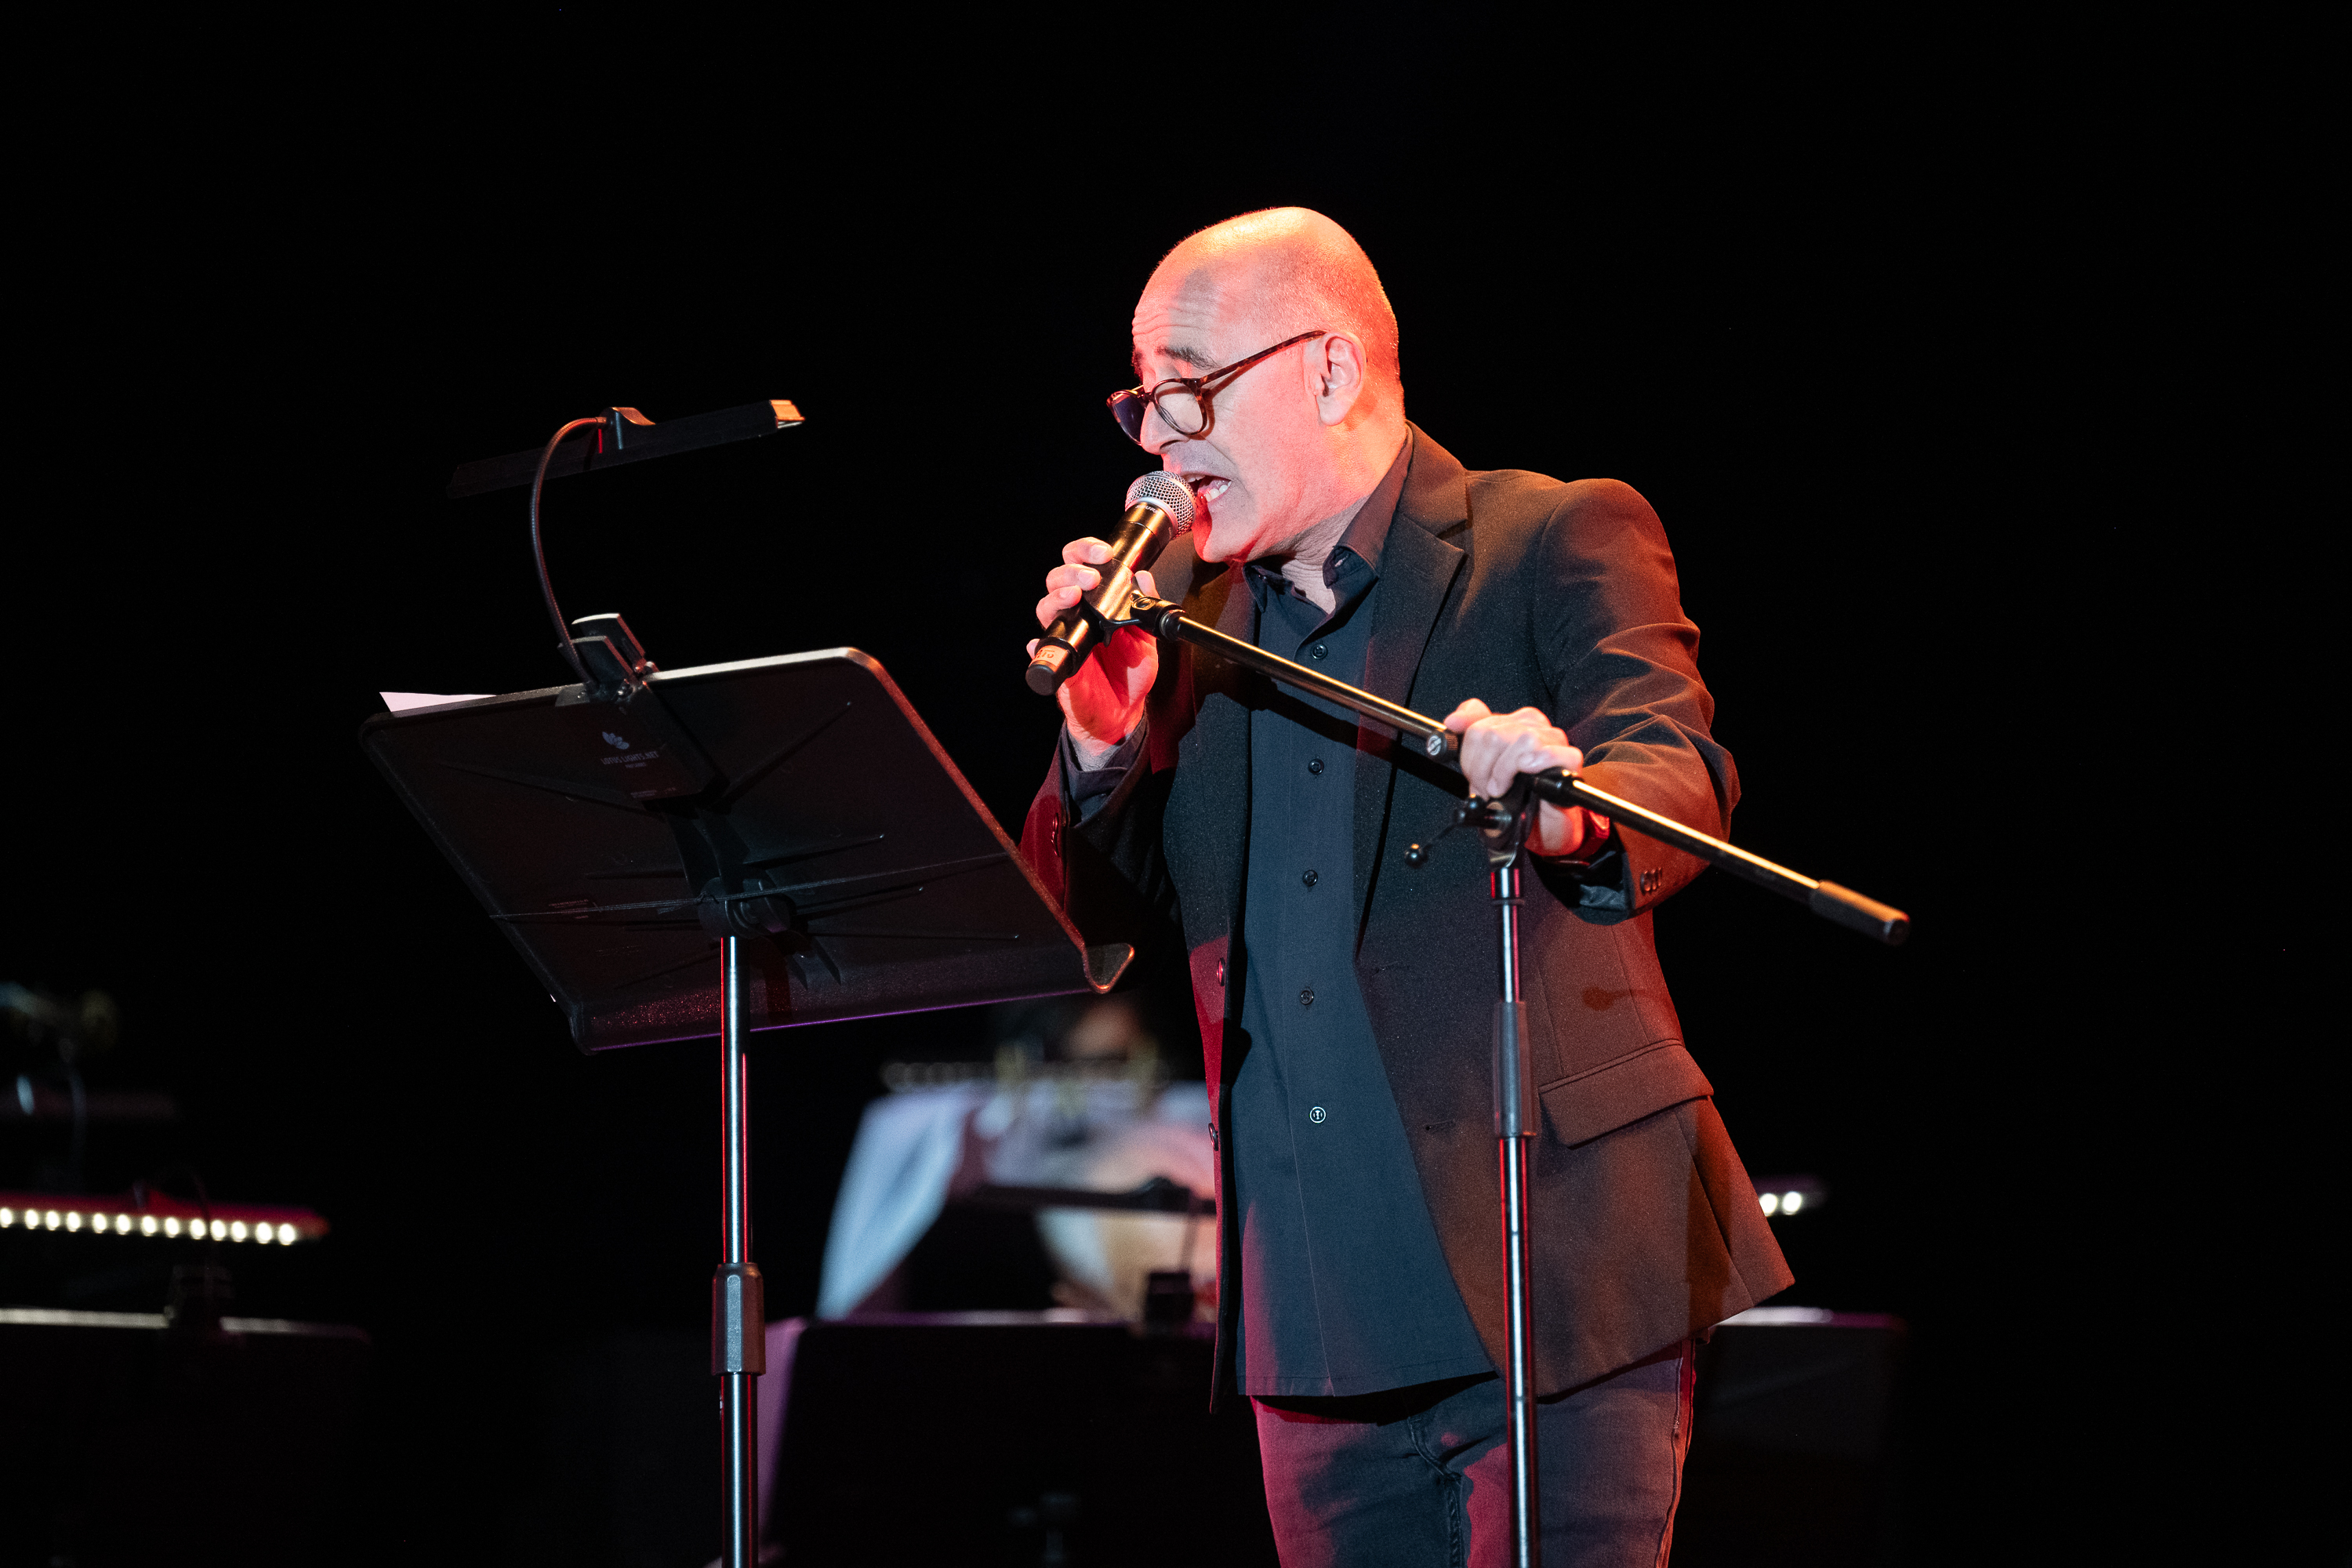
(1498, 747)
(1103, 702)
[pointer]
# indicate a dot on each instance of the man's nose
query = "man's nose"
(1157, 433)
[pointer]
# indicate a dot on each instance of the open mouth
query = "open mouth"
(1207, 487)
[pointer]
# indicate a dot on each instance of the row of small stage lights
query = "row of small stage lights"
(1790, 1194)
(100, 1221)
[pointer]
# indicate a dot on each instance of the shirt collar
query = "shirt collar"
(1366, 533)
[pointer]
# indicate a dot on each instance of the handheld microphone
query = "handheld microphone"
(1159, 508)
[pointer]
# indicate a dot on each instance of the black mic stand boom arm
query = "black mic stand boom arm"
(1843, 906)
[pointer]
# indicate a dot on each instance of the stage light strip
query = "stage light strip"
(283, 1229)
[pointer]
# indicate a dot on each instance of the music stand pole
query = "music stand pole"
(739, 1340)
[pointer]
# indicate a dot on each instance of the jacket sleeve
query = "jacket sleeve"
(1621, 661)
(1094, 841)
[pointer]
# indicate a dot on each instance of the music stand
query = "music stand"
(785, 827)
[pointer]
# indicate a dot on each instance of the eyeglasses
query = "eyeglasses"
(1184, 402)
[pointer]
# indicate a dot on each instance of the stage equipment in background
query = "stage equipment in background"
(1504, 824)
(1784, 1196)
(31, 1100)
(1796, 1454)
(930, 1438)
(129, 1438)
(789, 823)
(159, 1215)
(1116, 1170)
(1144, 1076)
(72, 1032)
(52, 1044)
(67, 1242)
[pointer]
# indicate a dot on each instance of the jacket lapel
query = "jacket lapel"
(1417, 571)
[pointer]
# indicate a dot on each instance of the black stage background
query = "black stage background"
(1849, 332)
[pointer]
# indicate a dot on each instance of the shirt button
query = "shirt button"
(1309, 876)
(1318, 1115)
(1315, 764)
(1318, 651)
(1306, 998)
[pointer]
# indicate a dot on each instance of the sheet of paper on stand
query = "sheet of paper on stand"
(404, 701)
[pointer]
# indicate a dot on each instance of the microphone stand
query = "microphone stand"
(1503, 823)
(1843, 906)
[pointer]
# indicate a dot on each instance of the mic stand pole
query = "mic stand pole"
(1503, 823)
(1503, 826)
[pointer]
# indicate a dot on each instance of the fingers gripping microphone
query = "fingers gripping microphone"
(1159, 508)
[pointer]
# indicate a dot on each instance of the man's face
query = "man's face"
(1260, 473)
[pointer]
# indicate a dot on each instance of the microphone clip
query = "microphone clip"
(1504, 821)
(615, 662)
(1147, 613)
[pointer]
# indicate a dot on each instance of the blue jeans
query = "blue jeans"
(1416, 1478)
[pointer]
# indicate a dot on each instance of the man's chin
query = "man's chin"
(1210, 541)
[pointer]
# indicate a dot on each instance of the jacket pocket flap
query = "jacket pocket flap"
(1627, 1089)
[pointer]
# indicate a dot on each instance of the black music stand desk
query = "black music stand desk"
(733, 848)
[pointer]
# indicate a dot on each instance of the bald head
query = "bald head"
(1283, 271)
(1294, 440)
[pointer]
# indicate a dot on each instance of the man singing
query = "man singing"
(1342, 944)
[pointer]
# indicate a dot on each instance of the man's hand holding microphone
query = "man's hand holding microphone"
(1102, 684)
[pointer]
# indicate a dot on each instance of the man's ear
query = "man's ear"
(1335, 375)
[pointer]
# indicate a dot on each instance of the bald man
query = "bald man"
(1341, 943)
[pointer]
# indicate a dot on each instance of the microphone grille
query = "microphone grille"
(1168, 493)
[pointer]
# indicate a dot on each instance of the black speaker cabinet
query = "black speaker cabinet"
(1793, 1459)
(1010, 1438)
(126, 1443)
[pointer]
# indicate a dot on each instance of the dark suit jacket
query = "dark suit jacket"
(1519, 589)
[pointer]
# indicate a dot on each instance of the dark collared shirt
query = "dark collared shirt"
(1344, 1288)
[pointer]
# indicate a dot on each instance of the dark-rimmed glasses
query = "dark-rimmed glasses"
(1184, 402)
